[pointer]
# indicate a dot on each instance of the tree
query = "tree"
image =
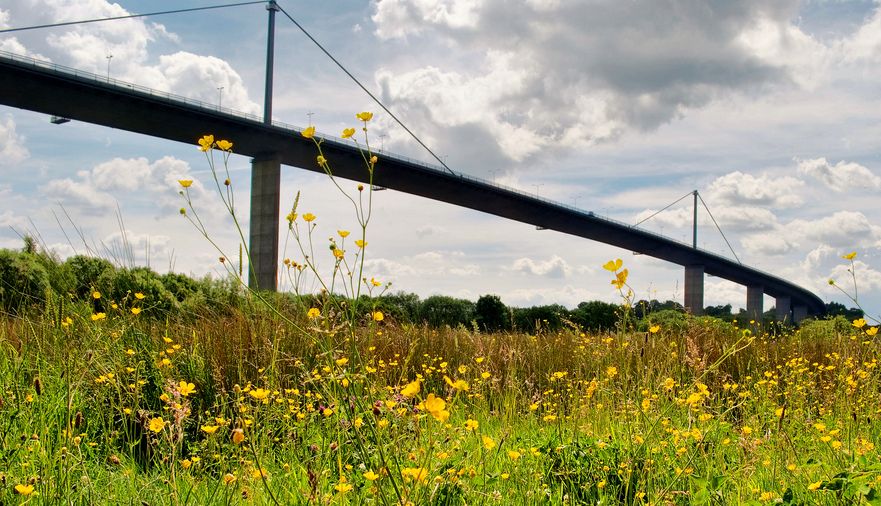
(491, 313)
(440, 310)
(596, 315)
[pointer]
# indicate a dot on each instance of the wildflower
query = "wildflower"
(458, 384)
(488, 442)
(513, 454)
(186, 463)
(206, 142)
(411, 389)
(485, 375)
(313, 313)
(308, 217)
(414, 473)
(613, 265)
(343, 486)
(136, 311)
(669, 383)
(96, 295)
(185, 388)
(373, 160)
(341, 361)
(859, 323)
(611, 371)
(238, 435)
(186, 183)
(871, 331)
(378, 316)
(24, 489)
(370, 475)
(98, 316)
(308, 132)
(291, 217)
(156, 425)
(343, 233)
(348, 132)
(850, 256)
(374, 282)
(210, 429)
(228, 478)
(435, 406)
(139, 295)
(259, 393)
(338, 253)
(225, 145)
(471, 424)
(815, 485)
(620, 279)
(654, 329)
(364, 116)
(360, 243)
(321, 160)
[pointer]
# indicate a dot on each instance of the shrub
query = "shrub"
(491, 313)
(23, 280)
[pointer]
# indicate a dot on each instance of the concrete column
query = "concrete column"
(799, 313)
(694, 289)
(265, 191)
(784, 309)
(755, 295)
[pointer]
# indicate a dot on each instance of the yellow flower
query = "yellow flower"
(308, 217)
(341, 361)
(613, 265)
(360, 243)
(308, 132)
(139, 295)
(343, 233)
(859, 323)
(513, 454)
(291, 217)
(850, 256)
(210, 429)
(364, 116)
(186, 183)
(411, 389)
(871, 331)
(136, 310)
(313, 313)
(206, 142)
(96, 295)
(458, 384)
(378, 316)
(156, 425)
(98, 316)
(654, 329)
(228, 478)
(371, 476)
(488, 442)
(259, 393)
(338, 253)
(815, 485)
(343, 486)
(186, 463)
(435, 406)
(620, 279)
(238, 435)
(471, 424)
(374, 282)
(611, 371)
(24, 489)
(373, 160)
(186, 388)
(321, 160)
(224, 145)
(348, 132)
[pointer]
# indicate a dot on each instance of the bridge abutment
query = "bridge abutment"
(694, 289)
(755, 298)
(799, 313)
(263, 236)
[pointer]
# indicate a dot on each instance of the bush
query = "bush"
(492, 314)
(596, 315)
(120, 285)
(86, 271)
(440, 310)
(23, 280)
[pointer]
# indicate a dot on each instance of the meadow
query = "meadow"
(108, 397)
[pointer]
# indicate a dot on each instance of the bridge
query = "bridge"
(64, 92)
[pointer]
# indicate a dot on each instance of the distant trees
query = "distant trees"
(491, 314)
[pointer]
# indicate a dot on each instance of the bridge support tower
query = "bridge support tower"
(265, 197)
(694, 289)
(783, 307)
(755, 297)
(799, 313)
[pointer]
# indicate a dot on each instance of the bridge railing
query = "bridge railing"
(171, 97)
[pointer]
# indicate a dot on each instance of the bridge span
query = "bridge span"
(43, 87)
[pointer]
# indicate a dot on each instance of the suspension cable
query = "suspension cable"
(718, 228)
(130, 16)
(371, 95)
(664, 209)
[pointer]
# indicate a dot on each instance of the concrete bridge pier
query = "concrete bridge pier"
(694, 289)
(755, 298)
(783, 305)
(799, 313)
(265, 197)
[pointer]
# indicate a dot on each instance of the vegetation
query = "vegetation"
(124, 386)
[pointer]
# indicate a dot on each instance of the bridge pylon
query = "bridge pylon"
(694, 289)
(263, 227)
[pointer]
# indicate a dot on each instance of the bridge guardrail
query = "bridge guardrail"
(171, 97)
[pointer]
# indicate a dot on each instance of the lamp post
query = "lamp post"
(219, 96)
(109, 57)
(310, 114)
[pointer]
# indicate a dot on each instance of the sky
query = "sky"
(769, 109)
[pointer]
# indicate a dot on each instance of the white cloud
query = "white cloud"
(737, 188)
(554, 267)
(842, 176)
(12, 145)
(78, 193)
